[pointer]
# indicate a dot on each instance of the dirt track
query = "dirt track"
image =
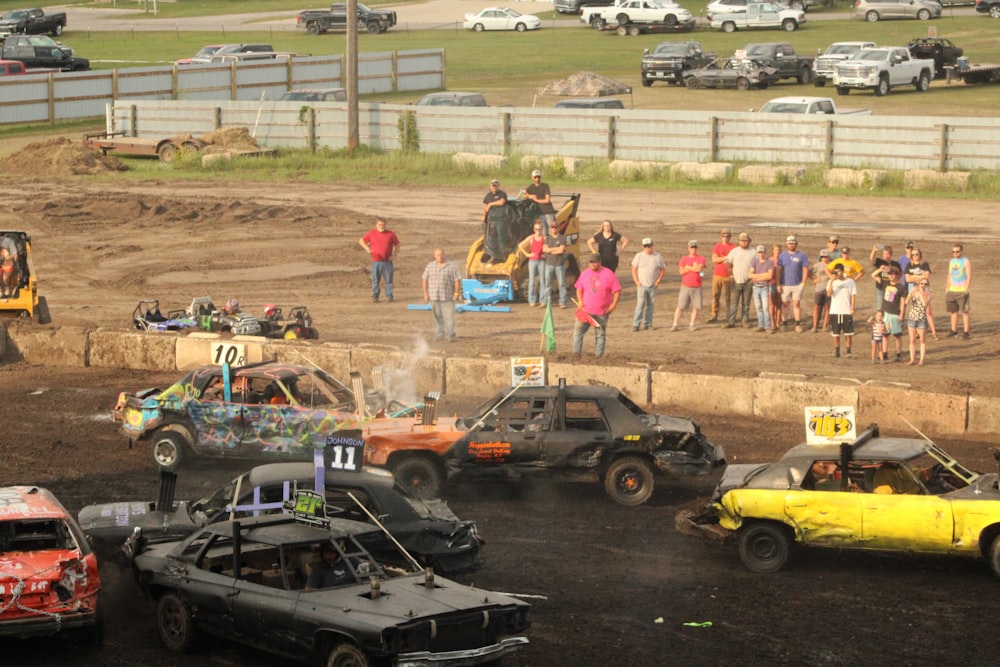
(606, 573)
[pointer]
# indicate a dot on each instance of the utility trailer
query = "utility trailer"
(636, 29)
(979, 74)
(165, 149)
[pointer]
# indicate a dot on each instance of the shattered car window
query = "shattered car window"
(37, 535)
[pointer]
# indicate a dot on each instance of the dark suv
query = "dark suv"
(991, 7)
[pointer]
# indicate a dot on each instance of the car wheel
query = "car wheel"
(692, 82)
(347, 655)
(58, 30)
(478, 27)
(995, 11)
(520, 27)
(670, 19)
(622, 19)
(646, 83)
(764, 547)
(843, 91)
(923, 14)
(882, 89)
(819, 83)
(167, 151)
(923, 82)
(373, 28)
(312, 28)
(743, 83)
(175, 623)
(42, 314)
(871, 16)
(805, 75)
(622, 31)
(789, 25)
(633, 31)
(728, 26)
(763, 85)
(596, 22)
(995, 556)
(168, 449)
(629, 481)
(419, 476)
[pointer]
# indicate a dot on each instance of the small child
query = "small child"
(880, 339)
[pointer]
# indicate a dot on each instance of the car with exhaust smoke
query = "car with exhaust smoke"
(879, 493)
(307, 587)
(427, 528)
(566, 432)
(49, 579)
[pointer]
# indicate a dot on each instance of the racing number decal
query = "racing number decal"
(308, 503)
(229, 353)
(829, 426)
(344, 453)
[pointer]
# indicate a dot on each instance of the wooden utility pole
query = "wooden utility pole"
(351, 74)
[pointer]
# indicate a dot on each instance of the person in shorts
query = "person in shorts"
(842, 292)
(794, 272)
(821, 302)
(894, 305)
(880, 340)
(956, 297)
(690, 268)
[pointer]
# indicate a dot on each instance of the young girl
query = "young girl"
(880, 340)
(916, 320)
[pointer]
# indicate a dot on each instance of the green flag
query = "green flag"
(548, 330)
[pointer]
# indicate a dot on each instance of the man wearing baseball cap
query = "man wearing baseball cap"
(494, 222)
(597, 294)
(648, 269)
(739, 259)
(722, 276)
(794, 272)
(690, 267)
(539, 193)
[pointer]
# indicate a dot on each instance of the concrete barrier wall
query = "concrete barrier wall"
(410, 374)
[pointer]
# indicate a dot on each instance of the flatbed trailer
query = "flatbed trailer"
(118, 142)
(980, 74)
(636, 29)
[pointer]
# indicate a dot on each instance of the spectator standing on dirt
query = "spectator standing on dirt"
(833, 247)
(894, 305)
(608, 244)
(597, 294)
(920, 271)
(442, 288)
(555, 265)
(539, 193)
(381, 244)
(907, 256)
(794, 272)
(739, 259)
(916, 320)
(956, 296)
(880, 340)
(821, 302)
(761, 273)
(852, 268)
(494, 223)
(775, 293)
(648, 269)
(843, 294)
(691, 269)
(722, 275)
(531, 249)
(881, 259)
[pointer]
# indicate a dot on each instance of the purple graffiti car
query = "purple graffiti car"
(267, 411)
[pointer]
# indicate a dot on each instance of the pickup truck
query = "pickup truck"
(810, 105)
(882, 69)
(41, 51)
(32, 22)
(668, 62)
(636, 11)
(759, 15)
(319, 21)
(835, 53)
(783, 57)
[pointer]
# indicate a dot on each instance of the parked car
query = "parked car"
(500, 18)
(879, 493)
(243, 52)
(836, 52)
(12, 68)
(428, 529)
(944, 52)
(637, 12)
(881, 69)
(880, 10)
(34, 21)
(591, 103)
(449, 99)
(759, 15)
(740, 73)
(315, 95)
(669, 60)
(204, 55)
(566, 432)
(730, 6)
(41, 51)
(49, 581)
(366, 610)
(810, 106)
(321, 21)
(991, 7)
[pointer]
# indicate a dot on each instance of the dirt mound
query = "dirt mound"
(229, 139)
(585, 84)
(59, 157)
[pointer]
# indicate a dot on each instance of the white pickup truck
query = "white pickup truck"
(759, 15)
(635, 11)
(837, 52)
(810, 105)
(882, 69)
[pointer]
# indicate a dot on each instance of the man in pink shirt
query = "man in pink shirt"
(597, 294)
(690, 267)
(380, 244)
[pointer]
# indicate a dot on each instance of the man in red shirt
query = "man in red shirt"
(690, 268)
(381, 243)
(722, 274)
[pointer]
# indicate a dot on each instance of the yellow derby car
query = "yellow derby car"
(887, 494)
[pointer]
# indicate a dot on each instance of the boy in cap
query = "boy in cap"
(648, 270)
(597, 294)
(539, 193)
(722, 276)
(690, 269)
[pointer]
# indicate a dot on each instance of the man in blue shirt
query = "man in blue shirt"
(794, 272)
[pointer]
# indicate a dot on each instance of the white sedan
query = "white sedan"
(501, 18)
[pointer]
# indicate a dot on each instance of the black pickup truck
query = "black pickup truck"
(32, 22)
(41, 51)
(783, 57)
(319, 21)
(668, 62)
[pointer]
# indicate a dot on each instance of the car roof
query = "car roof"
(273, 473)
(874, 449)
(29, 502)
(280, 529)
